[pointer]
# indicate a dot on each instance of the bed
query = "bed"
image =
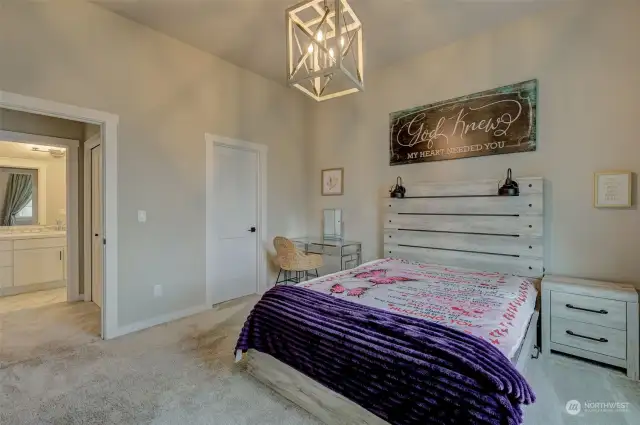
(460, 271)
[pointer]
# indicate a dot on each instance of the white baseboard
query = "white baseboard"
(165, 318)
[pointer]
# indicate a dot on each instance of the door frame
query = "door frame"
(109, 129)
(212, 140)
(93, 142)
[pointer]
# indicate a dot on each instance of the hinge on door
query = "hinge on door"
(104, 241)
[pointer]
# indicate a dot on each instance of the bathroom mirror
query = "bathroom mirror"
(18, 196)
(332, 226)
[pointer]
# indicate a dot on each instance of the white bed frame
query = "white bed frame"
(462, 224)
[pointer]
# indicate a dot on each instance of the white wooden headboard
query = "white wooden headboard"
(466, 224)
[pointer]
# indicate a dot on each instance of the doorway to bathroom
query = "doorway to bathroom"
(36, 180)
(106, 125)
(40, 228)
(33, 248)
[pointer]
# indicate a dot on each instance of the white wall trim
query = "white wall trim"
(210, 141)
(86, 231)
(165, 318)
(109, 128)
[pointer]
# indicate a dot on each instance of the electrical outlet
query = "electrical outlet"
(142, 216)
(157, 291)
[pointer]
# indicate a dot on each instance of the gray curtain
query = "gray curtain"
(19, 191)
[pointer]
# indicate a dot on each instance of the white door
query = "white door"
(96, 225)
(235, 203)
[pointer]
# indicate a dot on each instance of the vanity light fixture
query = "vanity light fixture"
(54, 151)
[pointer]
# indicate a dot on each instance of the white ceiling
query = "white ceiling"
(251, 33)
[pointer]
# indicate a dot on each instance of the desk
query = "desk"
(350, 252)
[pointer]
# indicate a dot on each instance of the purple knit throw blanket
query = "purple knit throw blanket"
(402, 369)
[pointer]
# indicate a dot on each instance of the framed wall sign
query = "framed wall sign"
(612, 189)
(332, 180)
(493, 122)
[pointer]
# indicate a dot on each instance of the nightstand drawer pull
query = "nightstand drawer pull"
(587, 309)
(587, 337)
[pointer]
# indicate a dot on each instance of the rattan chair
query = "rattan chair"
(291, 259)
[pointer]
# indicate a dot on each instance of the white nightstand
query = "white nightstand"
(591, 319)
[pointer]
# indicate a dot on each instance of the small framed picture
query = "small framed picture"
(332, 181)
(612, 189)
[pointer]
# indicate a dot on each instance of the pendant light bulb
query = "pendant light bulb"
(331, 52)
(310, 49)
(341, 41)
(319, 35)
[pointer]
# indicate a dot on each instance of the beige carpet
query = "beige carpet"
(42, 324)
(183, 373)
(180, 373)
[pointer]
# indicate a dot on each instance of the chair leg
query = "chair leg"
(317, 274)
(278, 278)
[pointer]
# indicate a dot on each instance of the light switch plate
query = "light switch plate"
(142, 216)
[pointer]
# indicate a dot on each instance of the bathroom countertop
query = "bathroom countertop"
(32, 235)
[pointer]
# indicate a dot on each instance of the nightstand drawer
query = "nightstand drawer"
(599, 311)
(597, 339)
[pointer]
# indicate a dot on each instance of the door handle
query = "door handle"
(252, 229)
(587, 337)
(96, 235)
(587, 309)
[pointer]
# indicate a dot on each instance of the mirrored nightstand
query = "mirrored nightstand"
(349, 252)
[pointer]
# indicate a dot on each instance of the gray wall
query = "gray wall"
(167, 95)
(586, 57)
(24, 122)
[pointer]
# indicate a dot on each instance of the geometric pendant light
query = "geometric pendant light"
(324, 49)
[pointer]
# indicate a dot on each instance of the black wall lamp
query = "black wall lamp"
(510, 186)
(398, 191)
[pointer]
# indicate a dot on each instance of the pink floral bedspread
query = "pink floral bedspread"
(492, 306)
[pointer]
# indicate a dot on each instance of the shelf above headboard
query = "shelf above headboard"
(466, 224)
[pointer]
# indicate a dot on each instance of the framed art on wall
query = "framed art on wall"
(332, 180)
(612, 189)
(499, 121)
